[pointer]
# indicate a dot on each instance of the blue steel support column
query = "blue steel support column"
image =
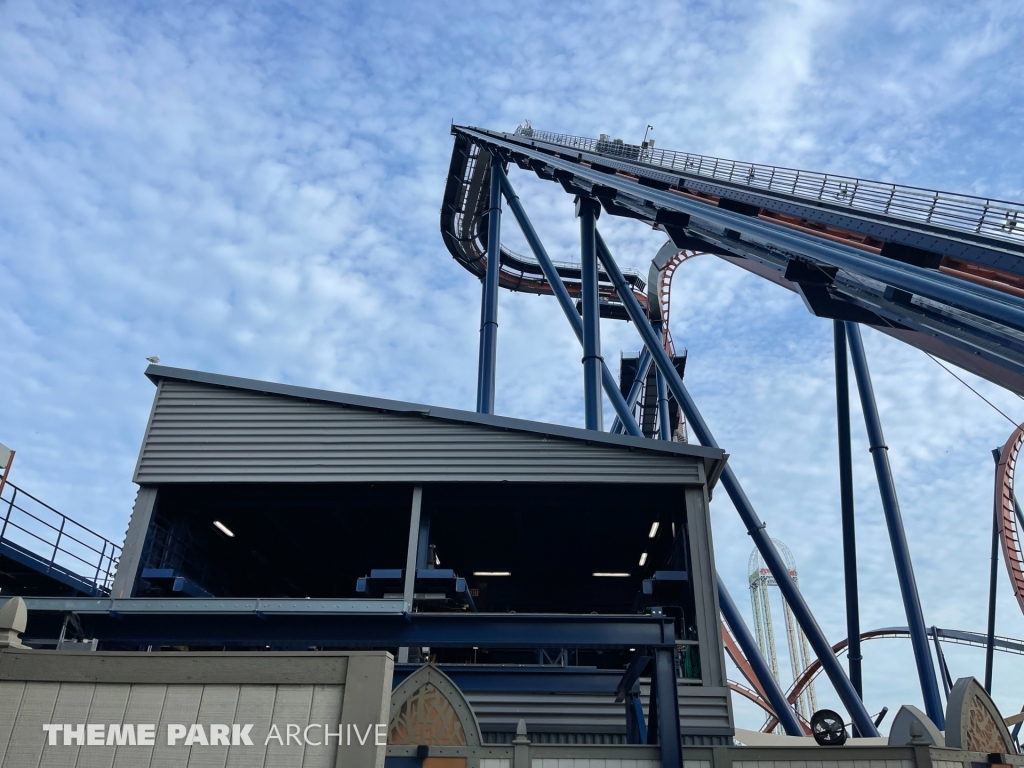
(423, 559)
(897, 535)
(664, 428)
(642, 367)
(783, 711)
(943, 669)
(755, 528)
(993, 580)
(587, 210)
(489, 305)
(669, 736)
(611, 387)
(853, 656)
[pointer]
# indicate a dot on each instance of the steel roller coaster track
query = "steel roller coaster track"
(965, 253)
(941, 272)
(958, 636)
(1009, 520)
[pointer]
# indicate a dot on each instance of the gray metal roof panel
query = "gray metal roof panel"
(712, 456)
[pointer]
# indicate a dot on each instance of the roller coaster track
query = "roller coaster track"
(1011, 525)
(464, 229)
(958, 636)
(942, 272)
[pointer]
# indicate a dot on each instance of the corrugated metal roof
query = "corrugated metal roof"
(194, 425)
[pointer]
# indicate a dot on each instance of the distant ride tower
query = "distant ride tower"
(799, 652)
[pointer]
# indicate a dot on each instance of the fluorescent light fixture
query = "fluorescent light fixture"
(654, 530)
(613, 575)
(492, 573)
(223, 528)
(643, 558)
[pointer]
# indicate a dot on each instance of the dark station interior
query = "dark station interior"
(349, 540)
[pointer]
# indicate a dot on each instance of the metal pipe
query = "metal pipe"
(993, 581)
(664, 427)
(943, 669)
(587, 210)
(489, 305)
(755, 528)
(854, 656)
(611, 387)
(783, 711)
(642, 367)
(897, 535)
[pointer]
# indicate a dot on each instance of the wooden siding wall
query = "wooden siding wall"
(205, 433)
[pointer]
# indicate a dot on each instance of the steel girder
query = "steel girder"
(199, 621)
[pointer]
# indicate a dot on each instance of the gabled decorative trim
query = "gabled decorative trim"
(430, 674)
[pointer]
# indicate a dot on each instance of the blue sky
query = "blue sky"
(253, 189)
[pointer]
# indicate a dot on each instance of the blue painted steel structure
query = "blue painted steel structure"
(993, 580)
(663, 720)
(755, 528)
(674, 382)
(664, 426)
(884, 262)
(294, 624)
(854, 657)
(561, 293)
(896, 286)
(44, 552)
(652, 344)
(783, 710)
(935, 307)
(489, 303)
(587, 210)
(897, 534)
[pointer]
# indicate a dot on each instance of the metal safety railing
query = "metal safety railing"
(55, 543)
(999, 219)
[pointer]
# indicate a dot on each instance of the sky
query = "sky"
(253, 189)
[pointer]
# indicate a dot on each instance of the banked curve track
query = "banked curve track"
(961, 637)
(942, 272)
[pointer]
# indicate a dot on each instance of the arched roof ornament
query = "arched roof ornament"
(428, 708)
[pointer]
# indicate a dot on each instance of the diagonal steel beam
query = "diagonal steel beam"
(755, 528)
(611, 387)
(768, 684)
